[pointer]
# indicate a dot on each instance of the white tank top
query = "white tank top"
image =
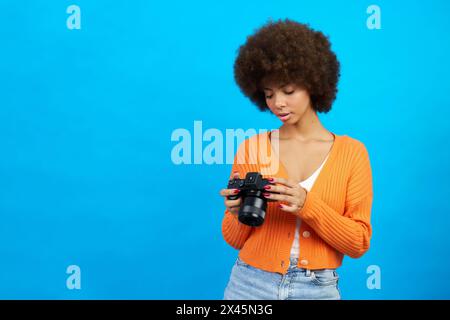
(307, 184)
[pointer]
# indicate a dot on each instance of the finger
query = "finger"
(281, 197)
(233, 203)
(228, 192)
(289, 183)
(234, 175)
(289, 208)
(282, 189)
(233, 210)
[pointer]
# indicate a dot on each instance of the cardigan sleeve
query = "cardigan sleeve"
(234, 232)
(349, 233)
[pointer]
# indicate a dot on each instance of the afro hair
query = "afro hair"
(288, 52)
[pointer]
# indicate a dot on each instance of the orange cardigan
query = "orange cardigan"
(336, 212)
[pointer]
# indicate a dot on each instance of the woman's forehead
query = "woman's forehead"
(276, 84)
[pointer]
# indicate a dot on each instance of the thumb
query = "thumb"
(235, 175)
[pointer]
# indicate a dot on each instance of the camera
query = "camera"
(253, 206)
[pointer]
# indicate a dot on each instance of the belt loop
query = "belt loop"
(308, 272)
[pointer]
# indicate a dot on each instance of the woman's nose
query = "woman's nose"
(279, 102)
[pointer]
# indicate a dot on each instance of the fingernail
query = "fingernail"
(266, 194)
(267, 187)
(280, 206)
(271, 179)
(235, 191)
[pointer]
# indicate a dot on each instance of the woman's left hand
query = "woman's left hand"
(290, 192)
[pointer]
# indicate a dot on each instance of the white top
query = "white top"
(307, 184)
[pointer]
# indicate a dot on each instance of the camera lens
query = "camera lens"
(253, 211)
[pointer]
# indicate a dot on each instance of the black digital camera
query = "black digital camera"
(253, 206)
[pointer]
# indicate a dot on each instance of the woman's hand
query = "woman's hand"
(289, 192)
(232, 205)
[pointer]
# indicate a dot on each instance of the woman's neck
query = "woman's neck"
(307, 128)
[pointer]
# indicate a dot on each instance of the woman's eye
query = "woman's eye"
(268, 97)
(289, 92)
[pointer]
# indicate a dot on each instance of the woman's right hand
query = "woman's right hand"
(231, 205)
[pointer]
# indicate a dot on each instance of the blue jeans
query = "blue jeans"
(250, 283)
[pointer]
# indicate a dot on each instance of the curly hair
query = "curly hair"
(288, 52)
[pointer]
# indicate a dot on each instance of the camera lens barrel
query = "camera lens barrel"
(253, 211)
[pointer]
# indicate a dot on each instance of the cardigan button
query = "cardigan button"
(306, 234)
(304, 262)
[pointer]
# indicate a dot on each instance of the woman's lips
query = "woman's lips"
(284, 116)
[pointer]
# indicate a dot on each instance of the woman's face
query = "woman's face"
(288, 102)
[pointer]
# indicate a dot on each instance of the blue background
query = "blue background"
(86, 118)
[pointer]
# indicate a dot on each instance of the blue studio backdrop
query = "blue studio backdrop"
(93, 204)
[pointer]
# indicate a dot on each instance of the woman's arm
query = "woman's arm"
(234, 232)
(349, 233)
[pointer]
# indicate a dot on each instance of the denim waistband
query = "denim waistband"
(293, 265)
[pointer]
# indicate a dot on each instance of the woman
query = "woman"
(322, 185)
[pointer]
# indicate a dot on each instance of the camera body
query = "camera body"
(253, 206)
